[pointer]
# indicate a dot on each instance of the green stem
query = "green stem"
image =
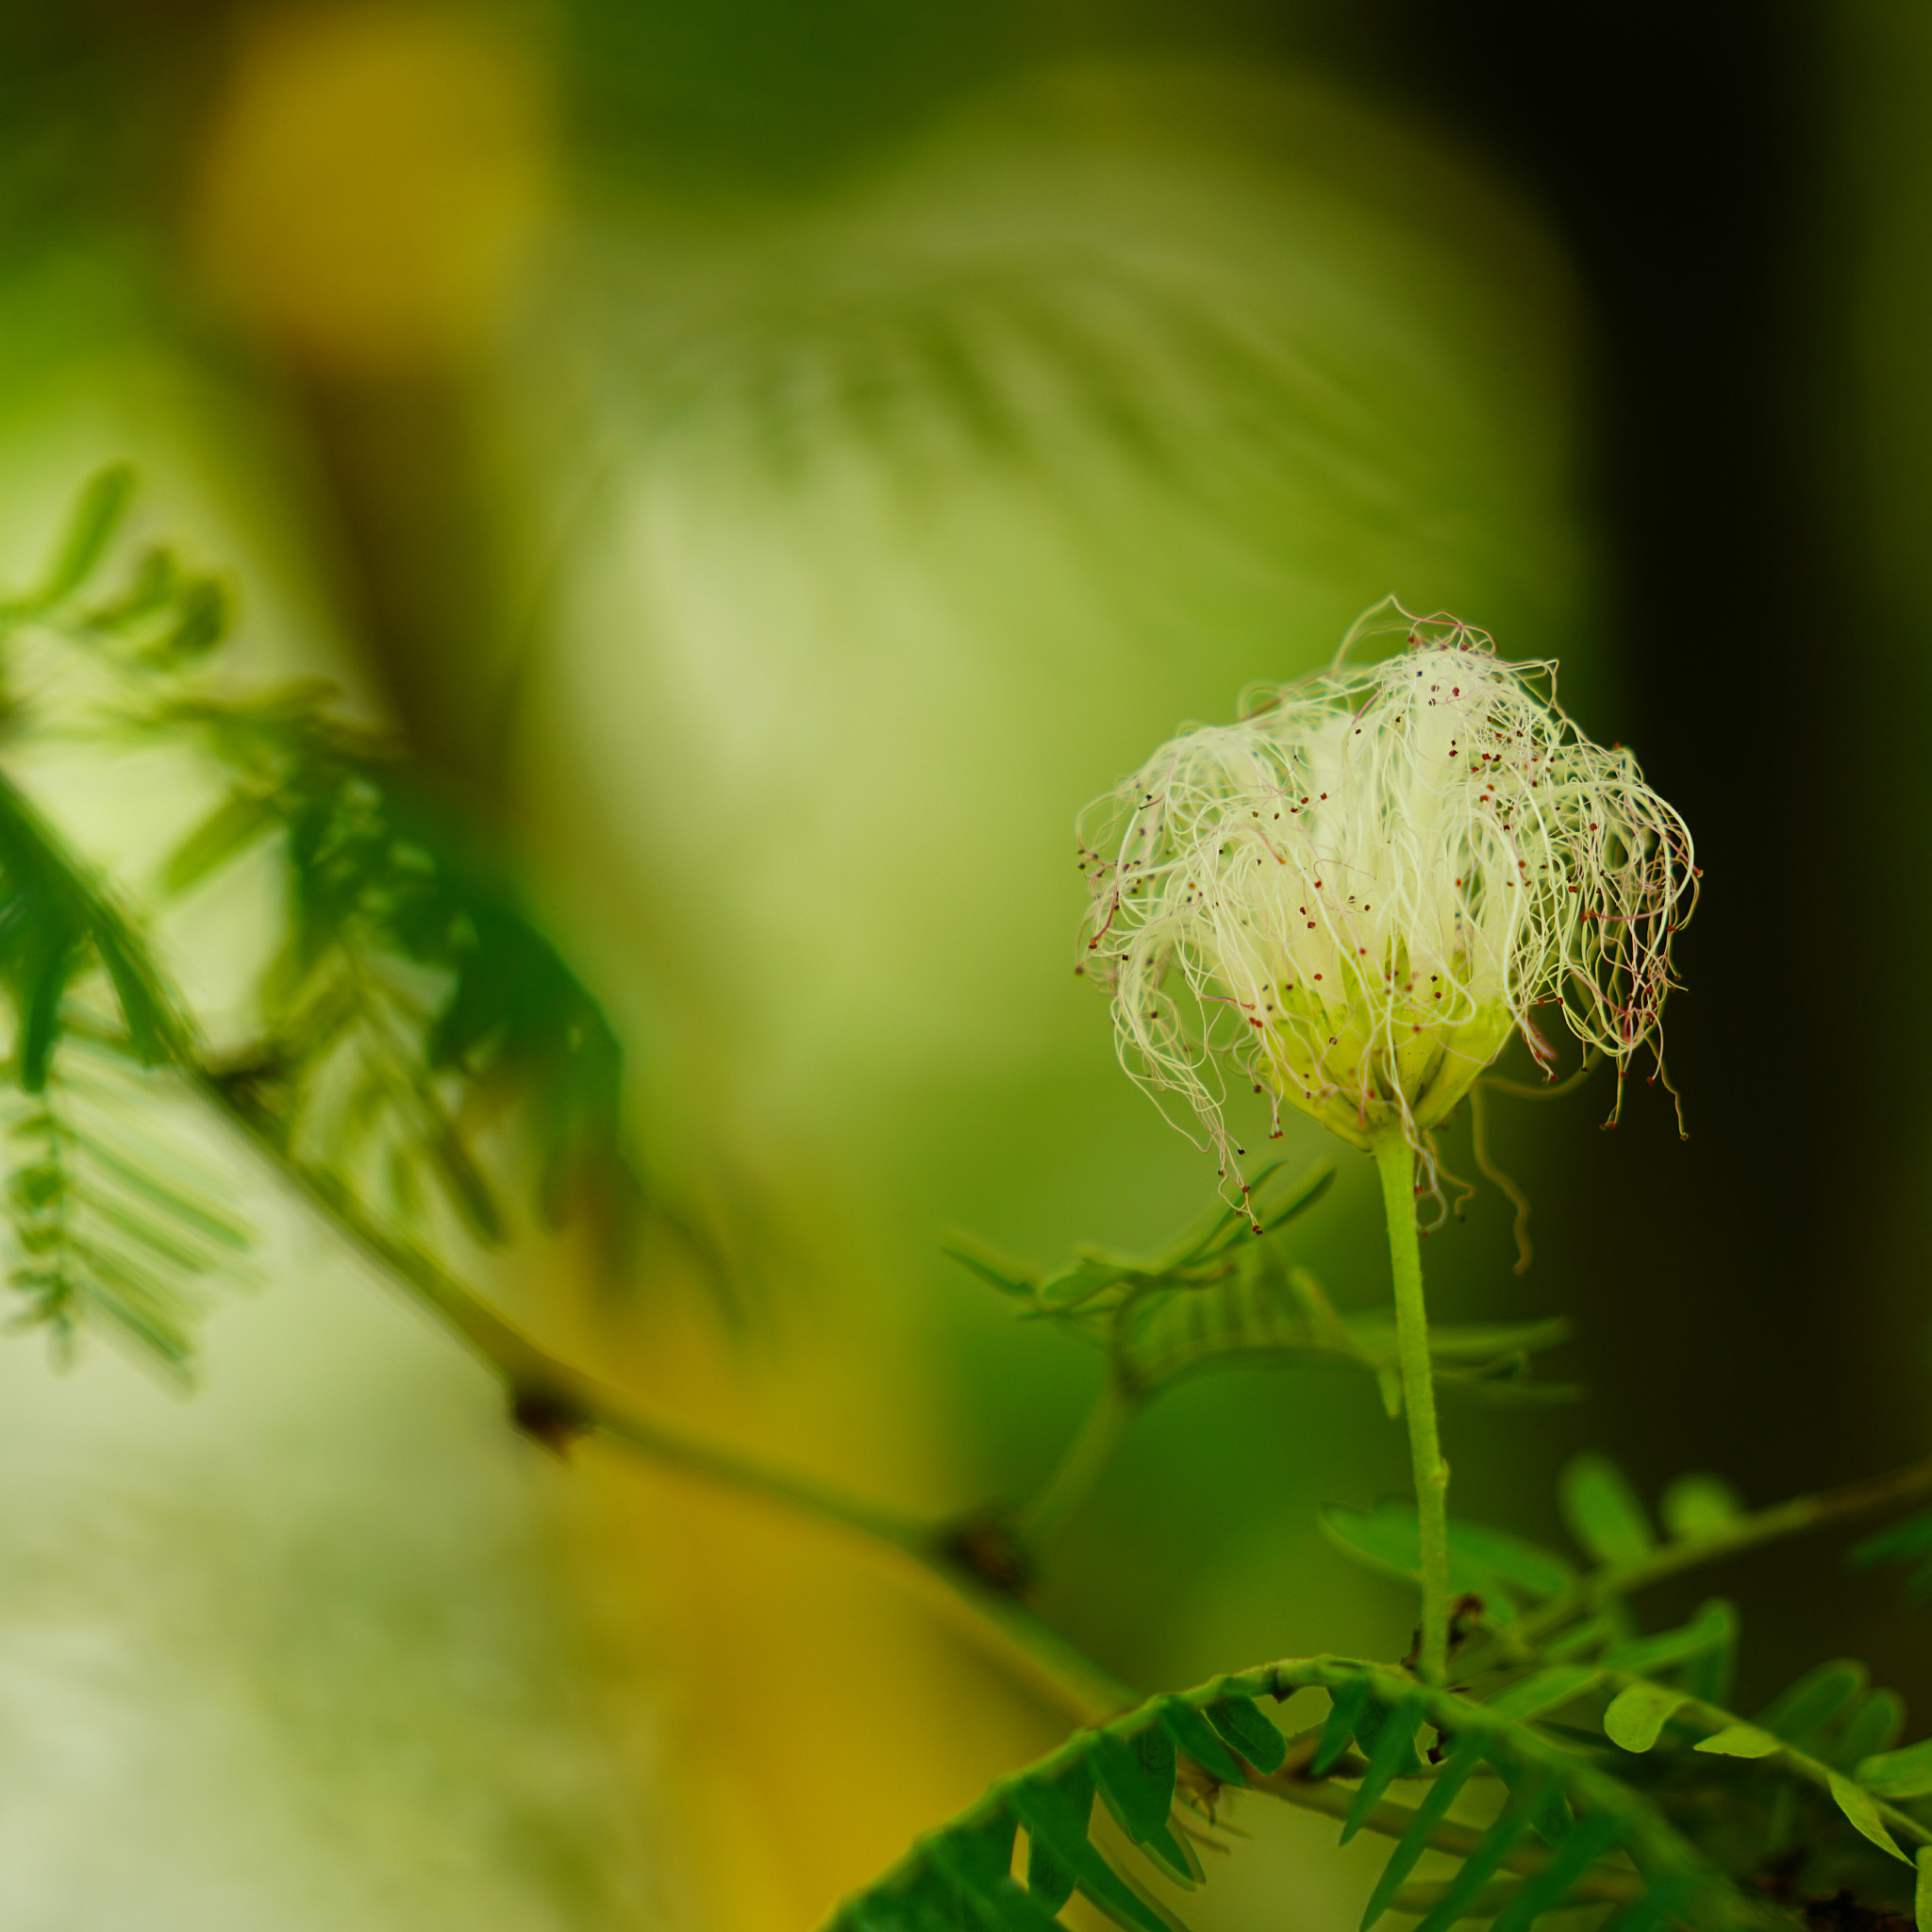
(1395, 1161)
(1087, 1456)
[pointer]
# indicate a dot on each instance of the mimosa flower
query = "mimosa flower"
(1353, 897)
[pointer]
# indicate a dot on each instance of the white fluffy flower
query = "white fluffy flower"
(1357, 892)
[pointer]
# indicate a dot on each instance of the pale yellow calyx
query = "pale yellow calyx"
(1331, 1060)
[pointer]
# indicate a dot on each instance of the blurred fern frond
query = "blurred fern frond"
(413, 1006)
(415, 1034)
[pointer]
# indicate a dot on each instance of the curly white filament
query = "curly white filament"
(1356, 893)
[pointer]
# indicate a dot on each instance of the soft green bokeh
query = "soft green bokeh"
(927, 512)
(871, 520)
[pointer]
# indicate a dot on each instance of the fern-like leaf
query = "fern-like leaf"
(1566, 1831)
(1220, 1295)
(414, 1003)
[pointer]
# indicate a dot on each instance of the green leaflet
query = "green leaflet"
(1337, 1732)
(104, 501)
(1137, 1782)
(1497, 1842)
(1638, 1714)
(205, 613)
(56, 916)
(1602, 1510)
(1135, 1778)
(1243, 1723)
(978, 1866)
(1862, 1808)
(1193, 1733)
(1503, 1570)
(1456, 1772)
(1898, 1775)
(1712, 1628)
(1922, 1892)
(1871, 1729)
(1659, 1907)
(1388, 1539)
(1392, 1756)
(237, 823)
(1056, 1813)
(1586, 1841)
(1698, 1507)
(1527, 1567)
(1740, 1741)
(1908, 1542)
(1544, 1691)
(1552, 1817)
(1048, 1878)
(1709, 1672)
(111, 1225)
(1798, 1713)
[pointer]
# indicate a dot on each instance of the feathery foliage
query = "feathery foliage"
(418, 1054)
(414, 1034)
(1582, 1763)
(1222, 1294)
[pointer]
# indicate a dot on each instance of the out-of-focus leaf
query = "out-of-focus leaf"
(234, 826)
(1714, 1627)
(1909, 1541)
(1872, 1729)
(1638, 1714)
(1898, 1775)
(1503, 1570)
(203, 612)
(1699, 1506)
(415, 1002)
(1545, 1689)
(1602, 1510)
(102, 503)
(1801, 1711)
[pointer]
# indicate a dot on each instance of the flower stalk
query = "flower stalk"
(1395, 1162)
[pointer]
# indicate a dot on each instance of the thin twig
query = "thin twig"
(556, 1402)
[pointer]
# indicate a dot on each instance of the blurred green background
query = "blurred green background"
(774, 460)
